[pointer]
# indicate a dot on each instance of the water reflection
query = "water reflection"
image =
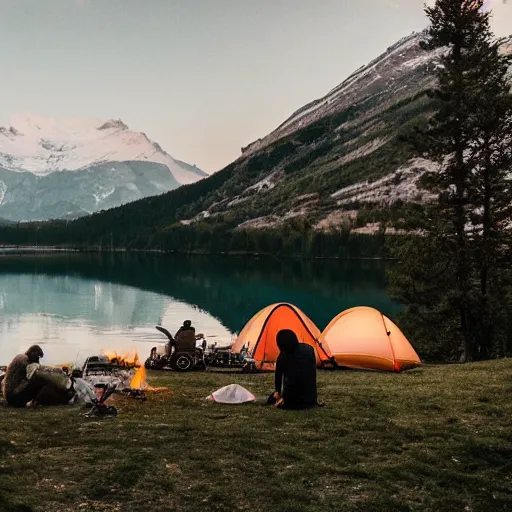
(79, 304)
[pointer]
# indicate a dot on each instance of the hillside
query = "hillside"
(318, 162)
(342, 149)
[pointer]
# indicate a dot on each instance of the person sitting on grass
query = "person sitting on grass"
(295, 375)
(26, 382)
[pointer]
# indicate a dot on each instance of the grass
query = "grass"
(432, 439)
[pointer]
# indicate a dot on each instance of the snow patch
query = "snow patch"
(45, 145)
(336, 219)
(264, 184)
(3, 191)
(269, 221)
(272, 221)
(237, 200)
(425, 58)
(364, 150)
(103, 195)
(401, 184)
(373, 228)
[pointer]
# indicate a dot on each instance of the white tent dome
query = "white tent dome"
(232, 394)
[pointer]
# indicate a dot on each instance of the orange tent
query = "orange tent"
(259, 334)
(363, 337)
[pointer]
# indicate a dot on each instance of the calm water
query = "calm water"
(78, 305)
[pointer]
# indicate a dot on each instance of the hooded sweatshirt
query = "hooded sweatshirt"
(295, 375)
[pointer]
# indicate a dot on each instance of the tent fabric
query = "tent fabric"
(232, 394)
(364, 338)
(259, 334)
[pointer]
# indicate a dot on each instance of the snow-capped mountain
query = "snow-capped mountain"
(44, 145)
(52, 168)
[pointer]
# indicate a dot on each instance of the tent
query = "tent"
(363, 337)
(259, 334)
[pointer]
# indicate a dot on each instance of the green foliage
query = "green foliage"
(295, 238)
(454, 280)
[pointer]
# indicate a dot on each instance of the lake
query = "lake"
(76, 305)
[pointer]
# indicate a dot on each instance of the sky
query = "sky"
(200, 77)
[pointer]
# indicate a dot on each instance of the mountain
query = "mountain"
(54, 168)
(5, 222)
(338, 162)
(336, 153)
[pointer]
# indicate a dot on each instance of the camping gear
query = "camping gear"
(48, 374)
(99, 409)
(101, 370)
(84, 393)
(362, 337)
(232, 394)
(225, 359)
(185, 357)
(258, 337)
(138, 394)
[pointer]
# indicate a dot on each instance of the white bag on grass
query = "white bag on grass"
(232, 394)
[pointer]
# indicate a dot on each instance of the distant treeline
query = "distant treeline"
(205, 237)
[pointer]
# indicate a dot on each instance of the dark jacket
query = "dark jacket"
(295, 377)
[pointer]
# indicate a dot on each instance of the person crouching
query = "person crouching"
(295, 375)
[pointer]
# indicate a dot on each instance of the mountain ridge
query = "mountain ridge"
(89, 155)
(44, 145)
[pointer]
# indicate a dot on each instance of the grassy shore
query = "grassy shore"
(435, 438)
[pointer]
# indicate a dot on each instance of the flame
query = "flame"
(139, 379)
(129, 360)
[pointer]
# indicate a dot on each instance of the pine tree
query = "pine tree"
(451, 273)
(491, 159)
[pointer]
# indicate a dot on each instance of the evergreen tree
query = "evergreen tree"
(448, 275)
(491, 159)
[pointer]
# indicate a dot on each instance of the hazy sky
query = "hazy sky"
(200, 77)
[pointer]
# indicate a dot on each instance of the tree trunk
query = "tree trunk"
(486, 331)
(460, 178)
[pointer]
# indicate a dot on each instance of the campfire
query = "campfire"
(139, 379)
(128, 361)
(128, 366)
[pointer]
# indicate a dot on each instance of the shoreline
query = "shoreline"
(7, 250)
